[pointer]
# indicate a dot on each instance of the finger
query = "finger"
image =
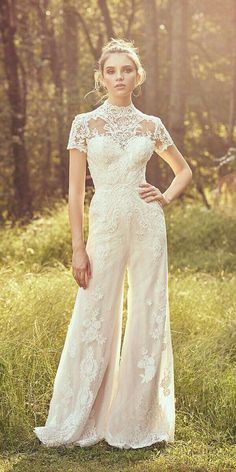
(85, 280)
(159, 202)
(149, 199)
(77, 280)
(76, 277)
(150, 193)
(145, 191)
(81, 277)
(74, 273)
(144, 186)
(151, 188)
(155, 199)
(89, 270)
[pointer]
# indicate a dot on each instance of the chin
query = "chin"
(124, 91)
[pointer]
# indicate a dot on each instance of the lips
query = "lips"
(120, 86)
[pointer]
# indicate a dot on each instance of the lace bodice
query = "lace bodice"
(118, 141)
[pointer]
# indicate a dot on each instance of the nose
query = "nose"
(119, 76)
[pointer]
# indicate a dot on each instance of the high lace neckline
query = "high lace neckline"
(116, 109)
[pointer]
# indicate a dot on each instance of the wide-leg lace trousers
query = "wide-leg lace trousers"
(125, 396)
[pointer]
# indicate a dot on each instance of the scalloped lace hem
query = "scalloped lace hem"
(52, 440)
(144, 442)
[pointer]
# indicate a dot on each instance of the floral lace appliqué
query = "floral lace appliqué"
(148, 364)
(165, 383)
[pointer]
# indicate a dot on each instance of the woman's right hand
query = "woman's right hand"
(81, 267)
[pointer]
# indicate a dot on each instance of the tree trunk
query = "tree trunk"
(151, 85)
(21, 208)
(71, 58)
(55, 61)
(178, 65)
(232, 111)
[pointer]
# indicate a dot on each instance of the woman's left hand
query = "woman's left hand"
(149, 193)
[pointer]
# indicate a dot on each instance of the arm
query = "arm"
(167, 150)
(181, 169)
(77, 176)
(77, 173)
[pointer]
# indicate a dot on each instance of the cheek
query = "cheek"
(131, 79)
(109, 79)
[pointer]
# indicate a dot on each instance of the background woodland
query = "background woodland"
(48, 53)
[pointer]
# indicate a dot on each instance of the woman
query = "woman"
(99, 393)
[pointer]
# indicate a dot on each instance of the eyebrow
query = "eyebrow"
(127, 65)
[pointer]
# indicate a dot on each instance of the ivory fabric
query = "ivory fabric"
(125, 396)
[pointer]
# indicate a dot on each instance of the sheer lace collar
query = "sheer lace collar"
(117, 110)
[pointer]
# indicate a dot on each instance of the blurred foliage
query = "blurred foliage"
(199, 239)
(57, 45)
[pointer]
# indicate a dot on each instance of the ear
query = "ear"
(138, 78)
(102, 83)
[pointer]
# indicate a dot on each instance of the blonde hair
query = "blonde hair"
(114, 46)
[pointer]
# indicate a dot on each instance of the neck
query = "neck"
(120, 102)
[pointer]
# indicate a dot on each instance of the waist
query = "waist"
(114, 186)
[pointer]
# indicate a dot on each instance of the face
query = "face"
(119, 69)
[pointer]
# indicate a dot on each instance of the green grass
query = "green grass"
(201, 239)
(37, 297)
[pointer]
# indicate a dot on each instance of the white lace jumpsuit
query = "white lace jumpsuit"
(125, 396)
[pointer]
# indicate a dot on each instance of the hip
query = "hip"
(124, 211)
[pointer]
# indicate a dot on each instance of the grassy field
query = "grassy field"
(37, 297)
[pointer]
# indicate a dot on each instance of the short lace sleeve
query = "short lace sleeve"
(162, 136)
(78, 133)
